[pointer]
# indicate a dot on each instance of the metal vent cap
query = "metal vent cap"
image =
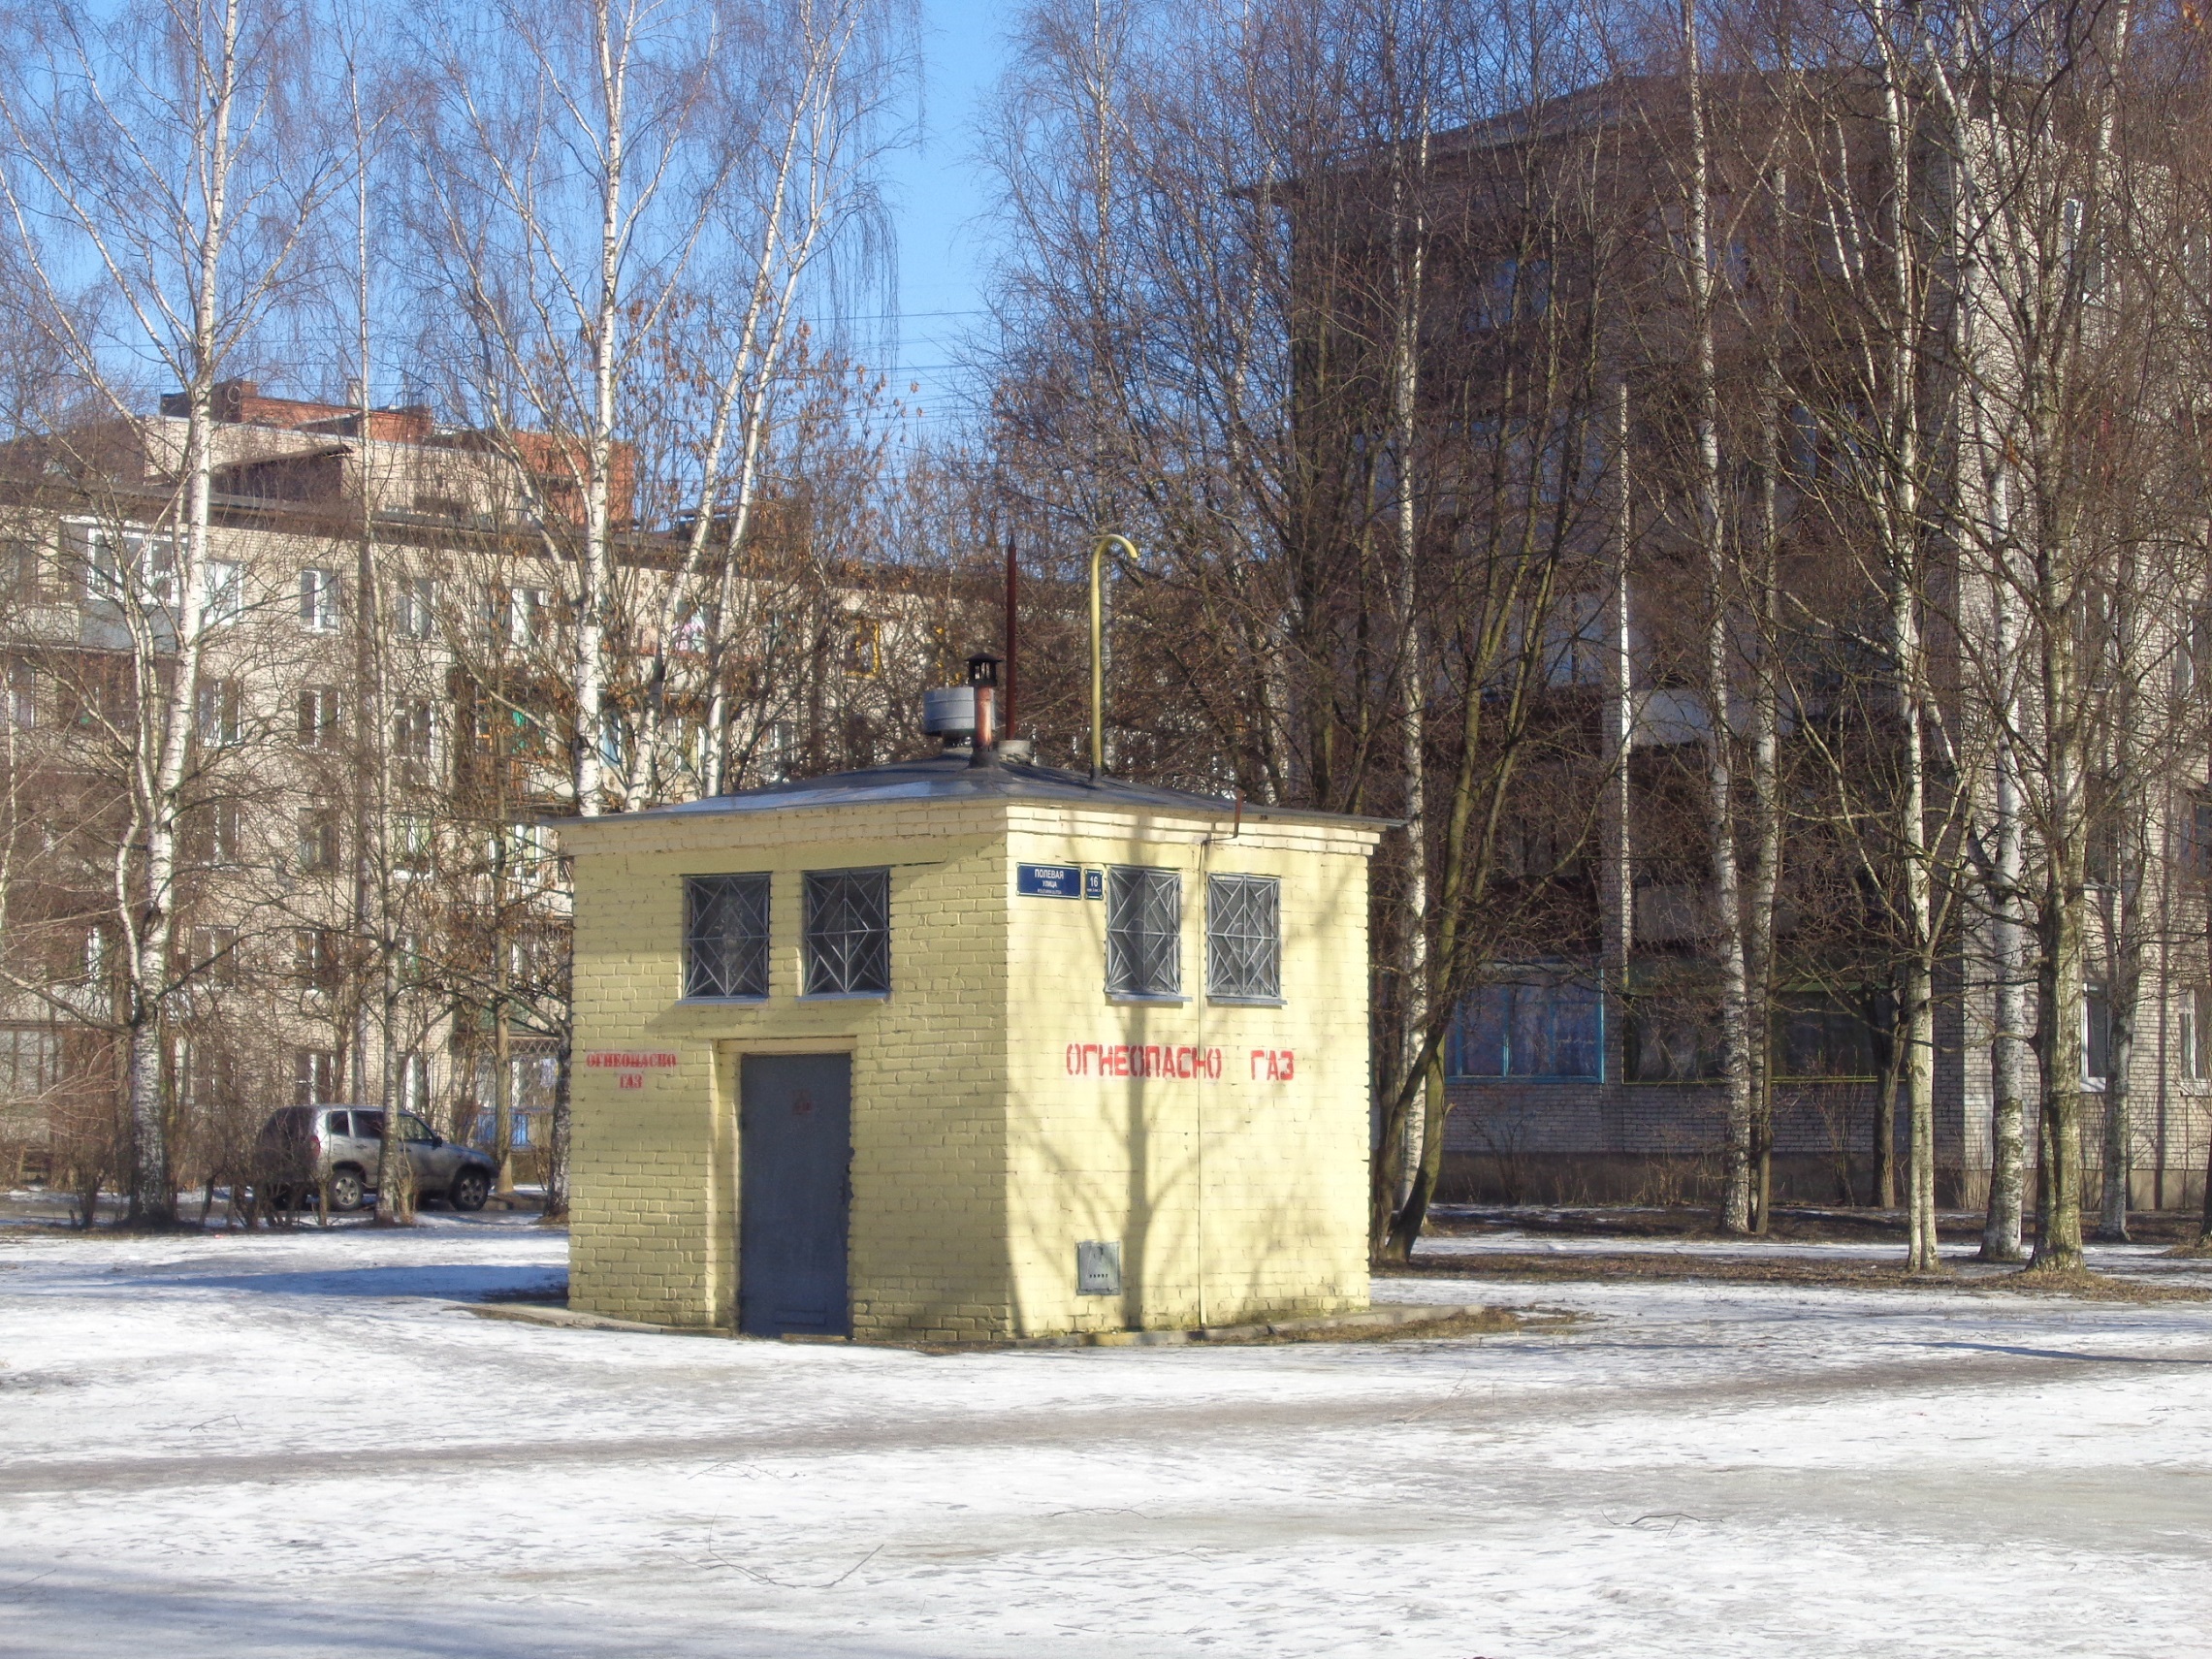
(948, 709)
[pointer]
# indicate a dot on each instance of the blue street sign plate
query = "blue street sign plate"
(1047, 881)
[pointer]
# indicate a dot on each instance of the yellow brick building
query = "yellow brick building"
(960, 1051)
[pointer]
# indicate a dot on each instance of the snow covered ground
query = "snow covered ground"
(245, 1446)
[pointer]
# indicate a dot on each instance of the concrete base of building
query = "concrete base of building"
(1667, 1179)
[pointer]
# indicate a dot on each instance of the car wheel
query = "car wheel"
(469, 1189)
(345, 1189)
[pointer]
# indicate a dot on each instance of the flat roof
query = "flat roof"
(952, 778)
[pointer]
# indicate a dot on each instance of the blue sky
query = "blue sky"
(939, 196)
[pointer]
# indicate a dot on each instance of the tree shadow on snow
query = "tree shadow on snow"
(2066, 1353)
(117, 1609)
(443, 1282)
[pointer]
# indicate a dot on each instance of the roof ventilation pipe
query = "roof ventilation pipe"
(984, 684)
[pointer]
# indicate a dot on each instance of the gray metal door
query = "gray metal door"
(794, 1149)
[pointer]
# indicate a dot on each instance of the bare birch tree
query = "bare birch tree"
(168, 155)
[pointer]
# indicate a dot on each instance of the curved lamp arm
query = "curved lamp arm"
(1098, 645)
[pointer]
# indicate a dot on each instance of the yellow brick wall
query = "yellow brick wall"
(654, 1171)
(1233, 1200)
(978, 1161)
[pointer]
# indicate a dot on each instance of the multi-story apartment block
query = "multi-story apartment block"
(368, 904)
(1556, 410)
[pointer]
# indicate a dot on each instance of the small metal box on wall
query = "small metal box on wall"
(969, 1048)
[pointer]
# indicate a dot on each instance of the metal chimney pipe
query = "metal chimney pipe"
(1013, 631)
(1098, 645)
(983, 679)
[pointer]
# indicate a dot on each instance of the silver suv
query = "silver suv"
(340, 1151)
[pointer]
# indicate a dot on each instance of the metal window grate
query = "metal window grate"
(726, 936)
(848, 932)
(1144, 926)
(1244, 937)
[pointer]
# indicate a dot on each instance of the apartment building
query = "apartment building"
(368, 904)
(1555, 426)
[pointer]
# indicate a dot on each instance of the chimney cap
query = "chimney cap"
(983, 669)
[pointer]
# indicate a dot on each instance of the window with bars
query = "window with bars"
(726, 936)
(1145, 928)
(848, 932)
(1245, 938)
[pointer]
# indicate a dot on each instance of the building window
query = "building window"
(30, 1062)
(314, 1076)
(22, 696)
(222, 592)
(726, 936)
(414, 730)
(1144, 932)
(208, 834)
(1547, 1025)
(221, 710)
(2196, 837)
(527, 610)
(863, 646)
(411, 844)
(414, 1083)
(1574, 640)
(848, 932)
(1819, 1038)
(2194, 1033)
(521, 853)
(215, 955)
(318, 841)
(318, 599)
(1672, 1026)
(129, 566)
(20, 569)
(319, 716)
(1245, 938)
(2096, 1036)
(414, 608)
(315, 959)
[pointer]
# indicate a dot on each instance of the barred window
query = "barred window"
(1244, 938)
(1144, 929)
(848, 932)
(726, 936)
